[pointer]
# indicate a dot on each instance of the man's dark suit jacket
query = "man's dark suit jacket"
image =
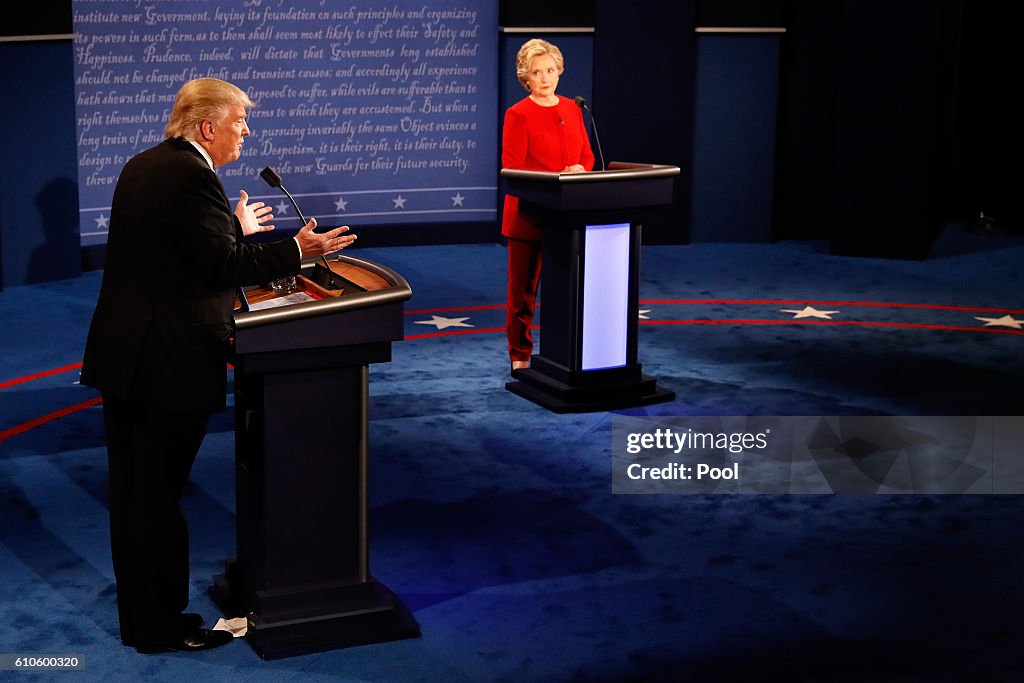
(175, 257)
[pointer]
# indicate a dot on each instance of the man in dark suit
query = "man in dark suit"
(159, 342)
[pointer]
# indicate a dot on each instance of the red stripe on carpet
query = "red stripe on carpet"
(799, 302)
(831, 322)
(56, 415)
(39, 375)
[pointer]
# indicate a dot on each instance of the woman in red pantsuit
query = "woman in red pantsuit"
(542, 132)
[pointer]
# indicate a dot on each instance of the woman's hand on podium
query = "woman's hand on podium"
(253, 217)
(318, 244)
(575, 168)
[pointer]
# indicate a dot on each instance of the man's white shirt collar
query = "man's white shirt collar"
(202, 151)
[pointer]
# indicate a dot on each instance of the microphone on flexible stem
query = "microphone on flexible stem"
(274, 180)
(582, 104)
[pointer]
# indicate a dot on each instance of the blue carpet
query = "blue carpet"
(494, 519)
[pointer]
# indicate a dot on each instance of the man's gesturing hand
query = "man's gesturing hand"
(253, 217)
(319, 244)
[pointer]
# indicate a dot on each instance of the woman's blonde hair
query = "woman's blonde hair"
(535, 48)
(202, 99)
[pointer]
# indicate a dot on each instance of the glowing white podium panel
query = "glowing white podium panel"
(606, 296)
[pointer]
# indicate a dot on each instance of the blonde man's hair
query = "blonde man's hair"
(535, 48)
(202, 99)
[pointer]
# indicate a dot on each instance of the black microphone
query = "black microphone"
(582, 104)
(274, 180)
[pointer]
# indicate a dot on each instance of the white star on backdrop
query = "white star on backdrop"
(457, 199)
(399, 202)
(440, 322)
(1005, 321)
(281, 208)
(340, 204)
(102, 222)
(810, 312)
(643, 313)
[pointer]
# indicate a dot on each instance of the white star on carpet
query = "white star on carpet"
(810, 312)
(102, 222)
(440, 322)
(340, 204)
(281, 208)
(399, 202)
(643, 314)
(457, 199)
(1005, 321)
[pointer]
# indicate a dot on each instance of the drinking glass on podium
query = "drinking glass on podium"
(283, 285)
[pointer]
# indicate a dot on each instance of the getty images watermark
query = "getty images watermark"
(816, 455)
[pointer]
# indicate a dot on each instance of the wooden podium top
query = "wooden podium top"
(368, 305)
(354, 278)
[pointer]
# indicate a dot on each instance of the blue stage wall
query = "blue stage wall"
(39, 238)
(735, 119)
(374, 112)
(835, 171)
(644, 74)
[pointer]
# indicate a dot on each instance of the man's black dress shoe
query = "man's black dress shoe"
(193, 640)
(187, 621)
(190, 620)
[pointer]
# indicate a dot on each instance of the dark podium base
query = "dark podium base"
(550, 386)
(360, 614)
